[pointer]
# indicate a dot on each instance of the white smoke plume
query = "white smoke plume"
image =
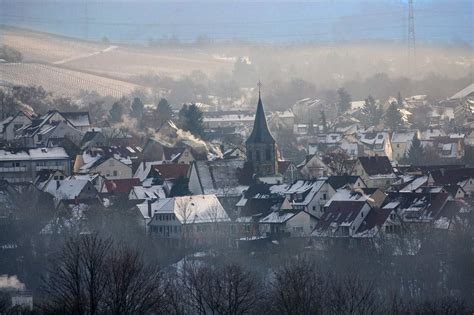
(11, 282)
(172, 135)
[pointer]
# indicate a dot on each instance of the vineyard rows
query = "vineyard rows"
(62, 81)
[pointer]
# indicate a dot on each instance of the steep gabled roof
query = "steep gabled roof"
(337, 182)
(451, 176)
(260, 132)
(121, 186)
(376, 165)
(172, 171)
(339, 213)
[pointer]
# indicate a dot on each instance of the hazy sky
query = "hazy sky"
(267, 20)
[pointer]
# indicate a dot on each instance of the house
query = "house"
(22, 165)
(287, 223)
(453, 216)
(111, 162)
(342, 219)
(289, 171)
(379, 221)
(420, 208)
(119, 187)
(72, 191)
(314, 167)
(10, 125)
(93, 138)
(167, 171)
(59, 131)
(79, 120)
(308, 195)
(376, 144)
(142, 193)
(463, 177)
(373, 196)
(219, 177)
(192, 220)
(109, 167)
(375, 171)
(220, 119)
(401, 143)
(37, 132)
(353, 182)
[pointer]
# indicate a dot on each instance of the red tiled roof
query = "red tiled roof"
(122, 186)
(171, 171)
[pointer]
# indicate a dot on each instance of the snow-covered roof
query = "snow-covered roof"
(144, 169)
(278, 217)
(190, 209)
(415, 184)
(347, 195)
(68, 189)
(220, 176)
(464, 92)
(150, 192)
(403, 137)
(56, 153)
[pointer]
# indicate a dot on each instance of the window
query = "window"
(398, 145)
(257, 155)
(314, 208)
(115, 173)
(268, 154)
(324, 196)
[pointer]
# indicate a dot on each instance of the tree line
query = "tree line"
(95, 275)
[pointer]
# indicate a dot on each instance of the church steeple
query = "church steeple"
(261, 146)
(260, 132)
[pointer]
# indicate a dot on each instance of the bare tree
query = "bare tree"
(77, 280)
(133, 286)
(298, 288)
(351, 295)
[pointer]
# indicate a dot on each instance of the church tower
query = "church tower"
(261, 146)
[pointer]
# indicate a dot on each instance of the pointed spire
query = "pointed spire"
(260, 132)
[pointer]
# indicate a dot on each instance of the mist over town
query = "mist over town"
(217, 157)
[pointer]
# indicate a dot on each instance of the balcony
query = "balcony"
(15, 169)
(50, 167)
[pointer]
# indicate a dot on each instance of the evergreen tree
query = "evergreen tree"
(164, 112)
(190, 117)
(372, 113)
(399, 100)
(415, 153)
(344, 101)
(180, 187)
(323, 121)
(137, 108)
(393, 118)
(310, 127)
(116, 112)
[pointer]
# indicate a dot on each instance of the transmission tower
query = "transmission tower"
(411, 40)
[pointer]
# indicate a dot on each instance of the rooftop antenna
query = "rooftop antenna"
(411, 40)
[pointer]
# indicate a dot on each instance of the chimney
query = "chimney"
(149, 208)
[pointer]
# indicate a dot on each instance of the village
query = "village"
(355, 181)
(373, 175)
